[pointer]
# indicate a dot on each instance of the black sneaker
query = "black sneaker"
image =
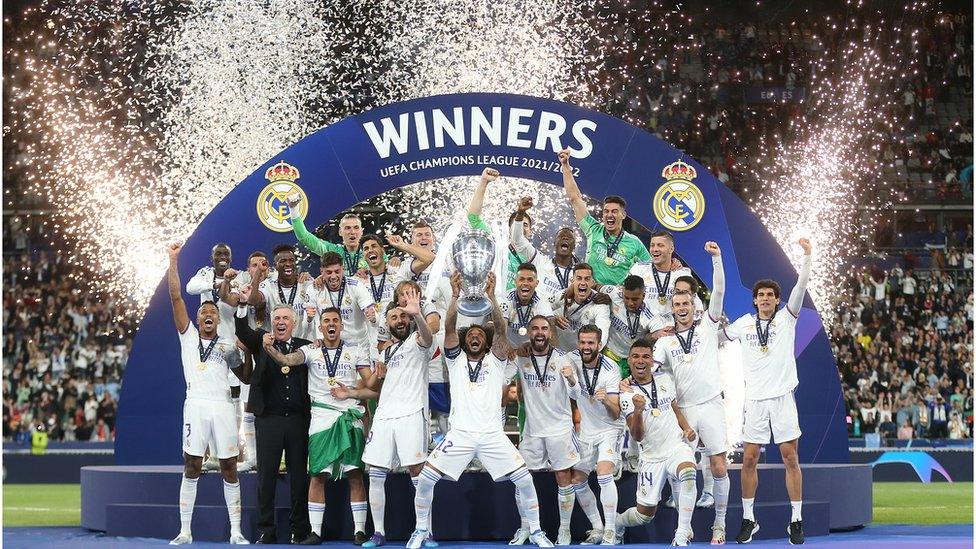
(360, 538)
(796, 532)
(748, 528)
(311, 539)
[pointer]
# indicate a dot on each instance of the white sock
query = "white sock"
(232, 497)
(316, 514)
(675, 489)
(708, 481)
(566, 496)
(188, 497)
(520, 505)
(608, 498)
(358, 515)
(522, 479)
(747, 509)
(430, 517)
(721, 495)
(377, 498)
(250, 442)
(587, 500)
(796, 508)
(687, 495)
(425, 493)
(632, 517)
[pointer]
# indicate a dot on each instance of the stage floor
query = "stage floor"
(871, 537)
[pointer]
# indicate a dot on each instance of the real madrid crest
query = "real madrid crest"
(272, 208)
(679, 204)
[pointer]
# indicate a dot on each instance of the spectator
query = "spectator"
(940, 418)
(906, 431)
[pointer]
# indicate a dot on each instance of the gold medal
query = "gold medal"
(333, 382)
(522, 331)
(764, 348)
(655, 412)
(285, 369)
(202, 366)
(662, 300)
(472, 385)
(688, 358)
(609, 261)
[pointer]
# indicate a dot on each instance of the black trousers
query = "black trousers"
(275, 434)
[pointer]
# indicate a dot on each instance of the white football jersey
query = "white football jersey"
(662, 434)
(581, 314)
(207, 378)
(627, 327)
(518, 315)
(352, 298)
(547, 407)
(653, 285)
(595, 419)
(324, 373)
(696, 374)
(202, 284)
(405, 386)
(381, 287)
(770, 373)
(475, 403)
(297, 297)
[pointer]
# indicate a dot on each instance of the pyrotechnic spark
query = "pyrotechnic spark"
(811, 183)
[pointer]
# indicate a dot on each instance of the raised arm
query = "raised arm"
(499, 345)
(522, 245)
(715, 306)
(424, 257)
(315, 244)
(424, 337)
(635, 420)
(175, 297)
(201, 282)
(796, 296)
(250, 337)
(291, 359)
(478, 200)
(224, 290)
(450, 322)
(573, 193)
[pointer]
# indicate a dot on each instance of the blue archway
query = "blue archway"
(457, 135)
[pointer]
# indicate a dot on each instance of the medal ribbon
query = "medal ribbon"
(204, 355)
(652, 396)
(377, 295)
(562, 275)
(473, 373)
(686, 343)
(591, 384)
(390, 351)
(535, 365)
(332, 367)
(581, 305)
(342, 292)
(662, 289)
(612, 248)
(633, 325)
(763, 335)
(291, 296)
(351, 261)
(524, 318)
(213, 290)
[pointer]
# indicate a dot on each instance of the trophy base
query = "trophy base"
(474, 306)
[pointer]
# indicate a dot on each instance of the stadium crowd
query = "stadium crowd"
(64, 349)
(902, 337)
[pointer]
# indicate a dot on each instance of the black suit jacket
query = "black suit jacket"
(260, 380)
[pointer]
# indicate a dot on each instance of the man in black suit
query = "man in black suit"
(280, 403)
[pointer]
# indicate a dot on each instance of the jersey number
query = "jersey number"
(444, 445)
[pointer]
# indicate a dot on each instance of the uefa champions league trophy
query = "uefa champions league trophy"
(474, 254)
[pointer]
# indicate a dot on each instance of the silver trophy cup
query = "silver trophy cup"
(474, 254)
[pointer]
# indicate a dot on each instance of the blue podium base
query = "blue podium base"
(142, 501)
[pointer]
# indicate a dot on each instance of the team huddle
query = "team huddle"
(617, 346)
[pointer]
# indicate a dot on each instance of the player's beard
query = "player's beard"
(539, 345)
(587, 355)
(400, 332)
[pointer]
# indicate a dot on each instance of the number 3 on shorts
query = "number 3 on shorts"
(187, 436)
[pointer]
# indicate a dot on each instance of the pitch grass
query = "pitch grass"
(917, 503)
(894, 503)
(41, 505)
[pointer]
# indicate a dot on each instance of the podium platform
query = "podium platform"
(142, 501)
